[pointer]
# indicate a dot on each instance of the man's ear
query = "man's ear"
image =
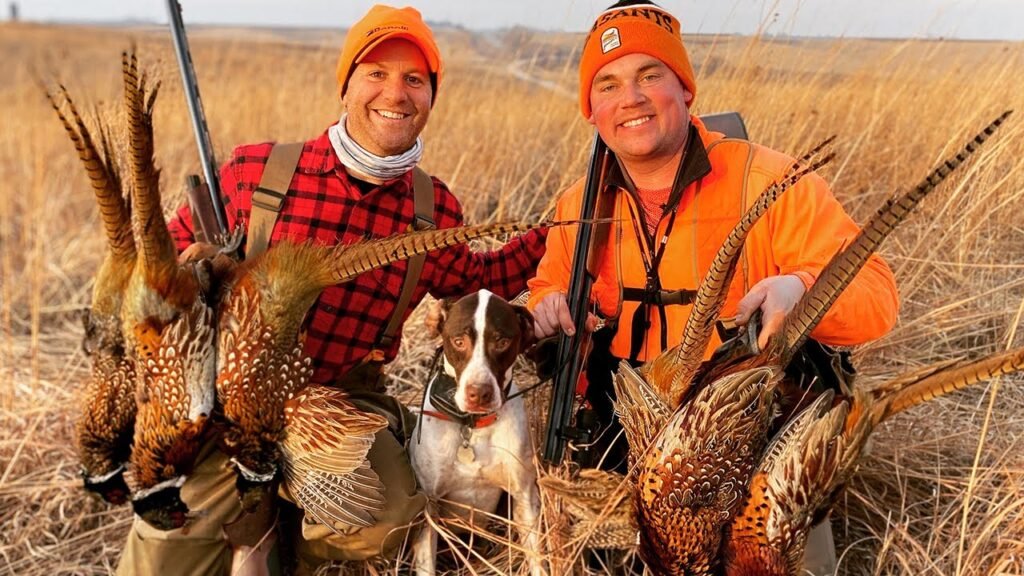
(525, 328)
(437, 312)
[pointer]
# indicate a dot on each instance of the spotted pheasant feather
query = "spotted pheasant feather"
(695, 473)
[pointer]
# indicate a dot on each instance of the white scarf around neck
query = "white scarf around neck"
(357, 159)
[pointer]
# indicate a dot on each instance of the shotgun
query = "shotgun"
(572, 349)
(207, 207)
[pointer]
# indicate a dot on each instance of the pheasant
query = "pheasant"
(694, 476)
(273, 422)
(655, 410)
(810, 461)
(168, 327)
(104, 427)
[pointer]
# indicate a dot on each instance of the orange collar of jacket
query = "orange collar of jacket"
(693, 166)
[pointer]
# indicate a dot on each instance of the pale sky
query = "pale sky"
(983, 19)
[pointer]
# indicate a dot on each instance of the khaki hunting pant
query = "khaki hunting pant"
(820, 554)
(201, 548)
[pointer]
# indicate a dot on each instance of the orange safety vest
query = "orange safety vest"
(798, 235)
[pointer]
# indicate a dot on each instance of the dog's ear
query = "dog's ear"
(437, 312)
(528, 336)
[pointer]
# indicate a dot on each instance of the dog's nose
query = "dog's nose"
(479, 395)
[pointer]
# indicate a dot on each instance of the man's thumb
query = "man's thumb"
(565, 319)
(747, 305)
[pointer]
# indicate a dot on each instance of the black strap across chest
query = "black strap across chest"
(692, 167)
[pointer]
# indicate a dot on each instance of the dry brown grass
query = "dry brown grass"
(941, 493)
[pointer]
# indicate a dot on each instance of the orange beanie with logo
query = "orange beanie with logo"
(641, 28)
(385, 23)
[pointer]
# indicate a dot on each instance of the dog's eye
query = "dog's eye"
(502, 344)
(460, 342)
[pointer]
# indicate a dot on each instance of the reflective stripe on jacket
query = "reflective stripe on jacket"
(798, 235)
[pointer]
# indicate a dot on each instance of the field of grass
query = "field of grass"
(943, 489)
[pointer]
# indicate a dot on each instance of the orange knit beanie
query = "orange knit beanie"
(642, 28)
(384, 23)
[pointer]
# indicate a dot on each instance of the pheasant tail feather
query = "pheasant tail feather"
(840, 271)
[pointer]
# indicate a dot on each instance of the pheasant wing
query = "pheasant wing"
(325, 446)
(641, 410)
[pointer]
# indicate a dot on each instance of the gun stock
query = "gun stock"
(571, 349)
(204, 220)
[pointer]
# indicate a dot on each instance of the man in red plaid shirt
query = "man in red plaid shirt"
(326, 202)
(354, 181)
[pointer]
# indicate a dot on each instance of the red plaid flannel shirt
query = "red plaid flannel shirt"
(323, 204)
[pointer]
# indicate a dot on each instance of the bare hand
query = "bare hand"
(198, 251)
(776, 296)
(552, 315)
(220, 263)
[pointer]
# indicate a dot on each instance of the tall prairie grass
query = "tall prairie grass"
(942, 491)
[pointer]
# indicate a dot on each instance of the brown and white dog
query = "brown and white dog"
(472, 443)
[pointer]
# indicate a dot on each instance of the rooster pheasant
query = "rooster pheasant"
(168, 326)
(794, 480)
(104, 427)
(813, 457)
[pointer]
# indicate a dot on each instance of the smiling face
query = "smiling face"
(640, 109)
(388, 98)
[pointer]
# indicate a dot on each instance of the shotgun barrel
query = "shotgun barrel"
(195, 110)
(571, 349)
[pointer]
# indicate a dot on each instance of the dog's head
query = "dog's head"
(482, 336)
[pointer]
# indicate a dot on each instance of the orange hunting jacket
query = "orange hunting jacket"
(798, 235)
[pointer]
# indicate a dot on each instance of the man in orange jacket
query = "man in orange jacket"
(681, 189)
